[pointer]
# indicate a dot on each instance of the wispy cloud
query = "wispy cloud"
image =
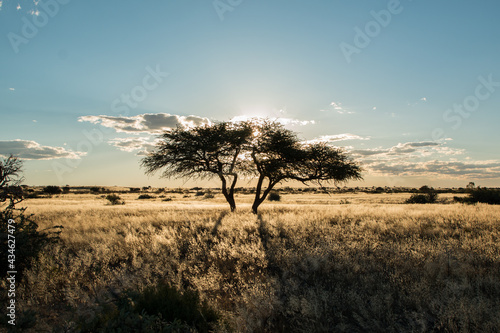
(152, 123)
(12, 89)
(141, 144)
(31, 150)
(409, 150)
(337, 107)
(335, 138)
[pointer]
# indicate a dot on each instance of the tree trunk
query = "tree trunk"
(258, 198)
(228, 195)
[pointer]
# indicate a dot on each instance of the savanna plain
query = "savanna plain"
(352, 262)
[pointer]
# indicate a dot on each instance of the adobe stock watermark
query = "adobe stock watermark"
(371, 30)
(11, 271)
(127, 101)
(470, 104)
(223, 6)
(46, 10)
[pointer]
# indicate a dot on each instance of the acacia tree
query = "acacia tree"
(258, 148)
(205, 151)
(278, 155)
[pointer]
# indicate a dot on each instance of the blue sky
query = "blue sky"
(411, 89)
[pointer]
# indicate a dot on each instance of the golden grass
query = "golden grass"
(305, 264)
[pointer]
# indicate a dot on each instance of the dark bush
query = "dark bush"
(51, 189)
(274, 196)
(96, 189)
(174, 305)
(483, 195)
(29, 241)
(422, 198)
(114, 199)
(146, 196)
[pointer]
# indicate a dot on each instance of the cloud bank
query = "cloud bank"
(31, 150)
(152, 123)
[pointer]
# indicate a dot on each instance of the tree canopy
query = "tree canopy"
(262, 149)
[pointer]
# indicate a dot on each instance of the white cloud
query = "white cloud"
(438, 169)
(424, 99)
(12, 89)
(408, 150)
(143, 144)
(31, 150)
(334, 138)
(152, 123)
(339, 108)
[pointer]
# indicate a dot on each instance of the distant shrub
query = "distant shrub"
(423, 198)
(274, 196)
(167, 199)
(199, 194)
(208, 195)
(146, 196)
(134, 189)
(51, 189)
(95, 189)
(114, 199)
(482, 195)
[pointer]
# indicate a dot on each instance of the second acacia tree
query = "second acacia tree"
(257, 148)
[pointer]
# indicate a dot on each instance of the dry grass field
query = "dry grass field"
(308, 263)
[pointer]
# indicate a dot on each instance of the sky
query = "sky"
(410, 89)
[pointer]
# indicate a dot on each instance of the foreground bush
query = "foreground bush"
(29, 241)
(161, 308)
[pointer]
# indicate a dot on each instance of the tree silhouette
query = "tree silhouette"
(10, 178)
(257, 148)
(205, 151)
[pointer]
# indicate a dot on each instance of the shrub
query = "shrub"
(95, 189)
(422, 198)
(134, 190)
(29, 241)
(173, 305)
(51, 189)
(208, 195)
(274, 196)
(146, 196)
(483, 195)
(122, 315)
(114, 199)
